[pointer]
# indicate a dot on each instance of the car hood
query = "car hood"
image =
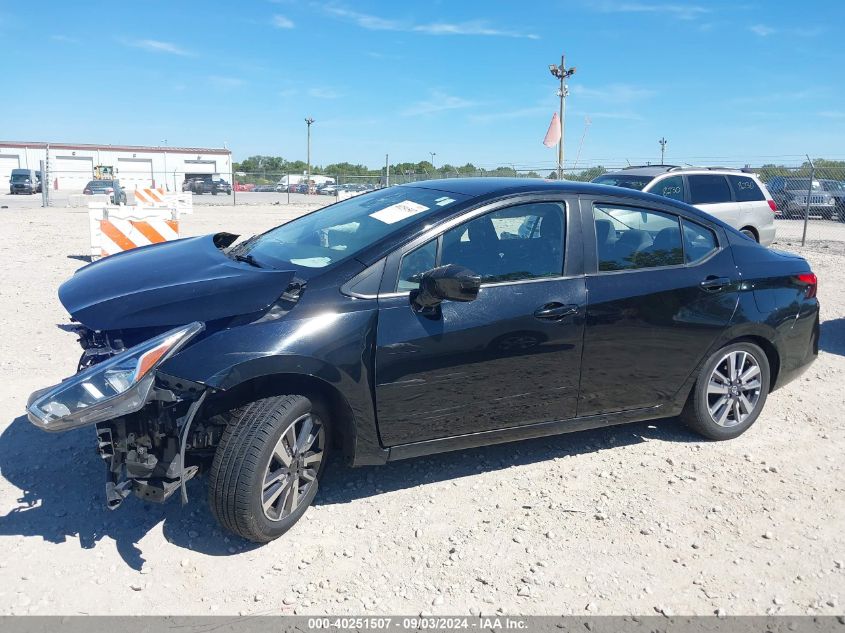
(170, 284)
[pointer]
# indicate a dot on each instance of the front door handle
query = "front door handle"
(714, 284)
(555, 311)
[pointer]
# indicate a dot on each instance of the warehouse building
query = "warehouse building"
(71, 165)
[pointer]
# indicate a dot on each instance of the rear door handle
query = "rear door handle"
(555, 311)
(714, 284)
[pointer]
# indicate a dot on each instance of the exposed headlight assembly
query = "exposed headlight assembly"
(115, 387)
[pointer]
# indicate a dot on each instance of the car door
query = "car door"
(661, 288)
(712, 194)
(510, 357)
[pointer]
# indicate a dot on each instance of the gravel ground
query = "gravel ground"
(637, 519)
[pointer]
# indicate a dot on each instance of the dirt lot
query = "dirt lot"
(632, 519)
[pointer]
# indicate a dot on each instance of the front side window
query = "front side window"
(629, 238)
(708, 189)
(511, 244)
(745, 189)
(672, 187)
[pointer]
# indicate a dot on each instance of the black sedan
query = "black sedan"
(419, 319)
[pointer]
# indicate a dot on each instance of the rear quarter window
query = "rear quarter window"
(745, 189)
(708, 189)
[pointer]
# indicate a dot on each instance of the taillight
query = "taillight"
(773, 206)
(811, 281)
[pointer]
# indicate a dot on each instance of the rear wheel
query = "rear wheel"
(749, 232)
(266, 469)
(730, 392)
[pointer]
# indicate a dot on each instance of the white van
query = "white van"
(736, 197)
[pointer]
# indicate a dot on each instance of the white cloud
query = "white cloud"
(322, 93)
(613, 93)
(681, 11)
(439, 102)
(226, 83)
(156, 46)
(378, 23)
(508, 115)
(281, 22)
(762, 30)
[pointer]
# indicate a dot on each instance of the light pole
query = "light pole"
(662, 142)
(433, 154)
(308, 121)
(562, 73)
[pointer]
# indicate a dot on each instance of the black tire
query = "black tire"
(750, 233)
(243, 459)
(696, 413)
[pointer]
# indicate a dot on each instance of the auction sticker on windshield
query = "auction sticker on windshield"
(398, 212)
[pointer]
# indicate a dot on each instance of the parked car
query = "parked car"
(24, 181)
(418, 319)
(112, 188)
(836, 188)
(264, 188)
(206, 184)
(736, 197)
(791, 194)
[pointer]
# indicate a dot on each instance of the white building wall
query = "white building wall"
(72, 167)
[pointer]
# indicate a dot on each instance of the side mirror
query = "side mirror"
(450, 282)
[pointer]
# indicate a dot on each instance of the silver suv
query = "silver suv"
(737, 197)
(791, 197)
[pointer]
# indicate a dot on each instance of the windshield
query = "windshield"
(801, 183)
(20, 177)
(623, 180)
(100, 184)
(833, 185)
(341, 230)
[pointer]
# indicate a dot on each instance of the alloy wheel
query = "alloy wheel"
(734, 388)
(293, 467)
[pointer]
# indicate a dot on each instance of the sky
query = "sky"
(723, 82)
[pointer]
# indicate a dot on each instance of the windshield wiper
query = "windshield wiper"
(249, 259)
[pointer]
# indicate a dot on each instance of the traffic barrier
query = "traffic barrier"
(182, 201)
(79, 200)
(149, 195)
(115, 229)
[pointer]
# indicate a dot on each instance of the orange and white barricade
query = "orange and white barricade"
(115, 229)
(160, 197)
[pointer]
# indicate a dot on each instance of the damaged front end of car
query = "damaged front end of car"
(143, 418)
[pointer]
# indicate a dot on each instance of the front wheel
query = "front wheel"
(729, 393)
(266, 469)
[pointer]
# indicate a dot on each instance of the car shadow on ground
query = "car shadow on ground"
(62, 482)
(832, 339)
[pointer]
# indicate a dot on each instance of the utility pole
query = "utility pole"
(562, 73)
(308, 121)
(662, 142)
(386, 170)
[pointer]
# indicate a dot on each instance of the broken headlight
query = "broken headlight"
(115, 387)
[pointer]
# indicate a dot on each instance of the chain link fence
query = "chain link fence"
(810, 196)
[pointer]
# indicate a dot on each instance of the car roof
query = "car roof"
(484, 188)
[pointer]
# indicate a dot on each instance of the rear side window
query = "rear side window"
(629, 238)
(699, 242)
(672, 187)
(708, 189)
(745, 189)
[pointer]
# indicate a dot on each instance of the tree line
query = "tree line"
(269, 169)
